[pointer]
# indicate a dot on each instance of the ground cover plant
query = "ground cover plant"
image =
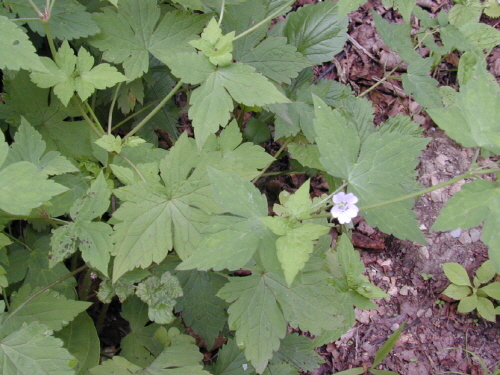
(181, 234)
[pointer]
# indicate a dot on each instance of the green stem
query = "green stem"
(382, 80)
(86, 117)
(222, 12)
(38, 292)
(276, 156)
(18, 240)
(87, 281)
(25, 19)
(112, 107)
(154, 111)
(130, 117)
(102, 316)
(52, 46)
(134, 167)
(94, 117)
(316, 206)
(265, 20)
(35, 8)
(281, 173)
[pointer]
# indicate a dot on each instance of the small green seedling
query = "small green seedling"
(379, 357)
(426, 276)
(473, 296)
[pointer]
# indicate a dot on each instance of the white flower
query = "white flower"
(344, 208)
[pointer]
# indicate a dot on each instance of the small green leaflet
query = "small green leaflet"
(68, 19)
(276, 59)
(256, 317)
(202, 310)
(316, 31)
(378, 170)
(17, 50)
(160, 294)
(469, 120)
(49, 308)
(24, 182)
(230, 241)
(32, 350)
(214, 45)
(70, 73)
(231, 361)
(181, 357)
(94, 238)
(405, 7)
(80, 338)
(478, 201)
(299, 351)
(131, 32)
(29, 146)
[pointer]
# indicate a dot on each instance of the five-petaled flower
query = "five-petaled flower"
(344, 208)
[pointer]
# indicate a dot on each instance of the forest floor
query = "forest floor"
(411, 273)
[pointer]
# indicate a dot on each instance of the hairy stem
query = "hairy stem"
(86, 117)
(154, 111)
(112, 107)
(265, 20)
(134, 167)
(40, 291)
(130, 117)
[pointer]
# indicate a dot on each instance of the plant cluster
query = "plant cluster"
(85, 190)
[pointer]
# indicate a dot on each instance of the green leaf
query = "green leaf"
(80, 338)
(467, 304)
(212, 101)
(485, 309)
(299, 351)
(481, 36)
(457, 292)
(276, 59)
(231, 360)
(95, 243)
(468, 121)
(116, 366)
(316, 31)
(492, 290)
(70, 73)
(347, 6)
(423, 87)
(17, 50)
(30, 147)
(160, 294)
(94, 203)
(32, 350)
(486, 272)
(383, 168)
(405, 7)
(134, 30)
(476, 202)
(63, 243)
(202, 310)
(214, 45)
(307, 155)
(294, 248)
(397, 37)
(49, 308)
(140, 345)
(456, 274)
(256, 317)
(297, 205)
(68, 19)
(28, 185)
(386, 348)
(352, 371)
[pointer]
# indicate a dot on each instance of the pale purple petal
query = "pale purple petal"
(345, 198)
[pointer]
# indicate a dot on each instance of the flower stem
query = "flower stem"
(154, 111)
(282, 148)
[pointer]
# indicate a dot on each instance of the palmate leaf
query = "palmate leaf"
(231, 361)
(469, 120)
(380, 169)
(202, 310)
(476, 202)
(422, 86)
(17, 50)
(133, 30)
(299, 351)
(68, 19)
(32, 350)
